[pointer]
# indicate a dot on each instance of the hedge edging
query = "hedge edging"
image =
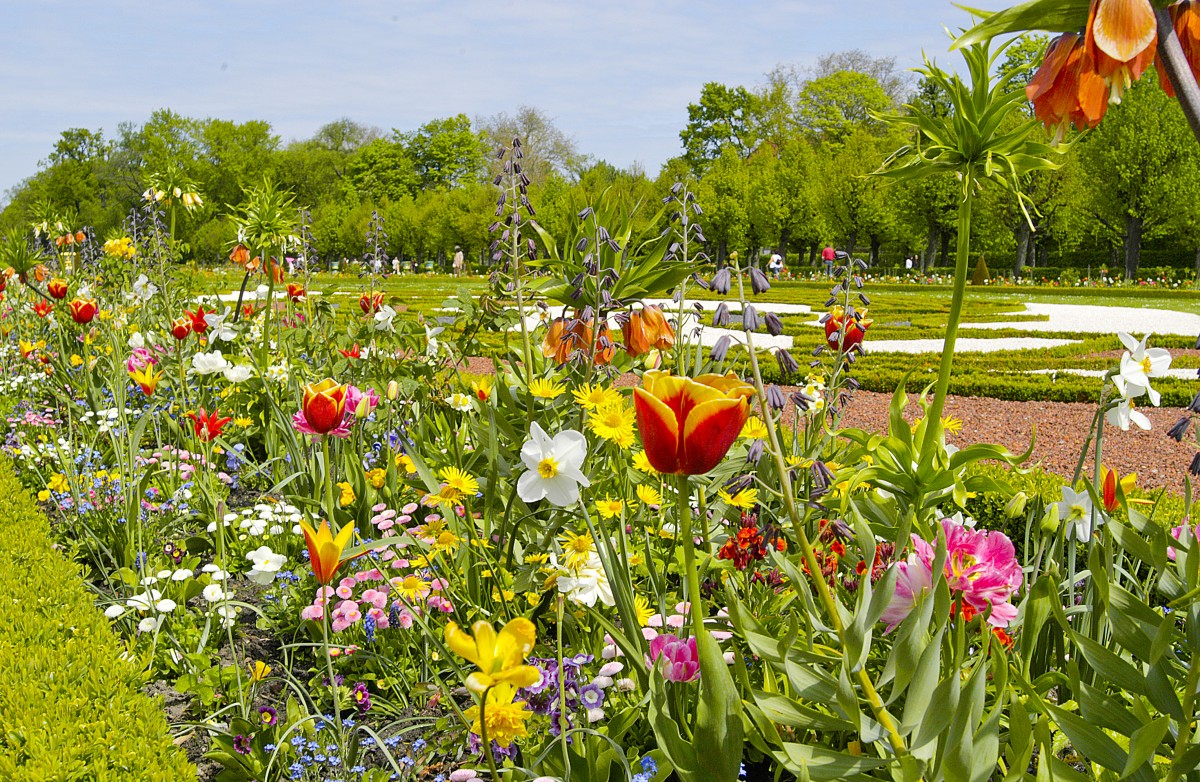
(70, 706)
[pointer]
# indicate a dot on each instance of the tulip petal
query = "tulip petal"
(659, 429)
(461, 643)
(710, 430)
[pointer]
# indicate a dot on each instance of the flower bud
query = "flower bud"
(1016, 506)
(363, 409)
(1050, 520)
(393, 390)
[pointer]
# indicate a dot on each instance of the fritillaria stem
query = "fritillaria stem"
(1178, 70)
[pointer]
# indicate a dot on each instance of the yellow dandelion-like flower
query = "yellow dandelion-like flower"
(243, 422)
(641, 607)
(952, 425)
(649, 495)
(431, 529)
(614, 422)
(462, 482)
(412, 588)
(799, 462)
(591, 396)
(754, 429)
(609, 508)
(546, 389)
(641, 463)
(743, 500)
(447, 541)
(578, 548)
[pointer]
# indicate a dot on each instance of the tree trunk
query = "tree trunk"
(1024, 235)
(1198, 262)
(1133, 246)
(874, 250)
(784, 236)
(850, 242)
(931, 246)
(945, 253)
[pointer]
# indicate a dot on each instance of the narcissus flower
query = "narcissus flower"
(57, 288)
(1138, 365)
(646, 330)
(322, 409)
(552, 466)
(324, 550)
(505, 716)
(1120, 40)
(688, 425)
(208, 426)
(500, 657)
(1066, 89)
(82, 310)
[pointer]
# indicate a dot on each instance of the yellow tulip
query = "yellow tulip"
(500, 657)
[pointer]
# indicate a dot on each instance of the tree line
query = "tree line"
(778, 166)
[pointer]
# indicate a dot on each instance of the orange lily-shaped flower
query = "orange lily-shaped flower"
(43, 308)
(208, 426)
(240, 255)
(1067, 89)
(1108, 489)
(688, 425)
(146, 378)
(499, 656)
(566, 335)
(1185, 18)
(1120, 40)
(325, 550)
(647, 329)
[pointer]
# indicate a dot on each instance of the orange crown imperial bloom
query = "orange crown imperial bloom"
(688, 425)
(500, 657)
(208, 426)
(324, 405)
(1067, 89)
(82, 310)
(1185, 17)
(57, 288)
(240, 255)
(566, 335)
(1120, 40)
(647, 329)
(325, 551)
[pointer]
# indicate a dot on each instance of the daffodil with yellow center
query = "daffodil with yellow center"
(546, 389)
(500, 657)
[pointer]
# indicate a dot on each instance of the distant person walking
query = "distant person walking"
(908, 263)
(827, 257)
(458, 261)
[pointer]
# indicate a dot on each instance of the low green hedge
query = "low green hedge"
(70, 707)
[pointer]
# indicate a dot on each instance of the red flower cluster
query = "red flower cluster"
(750, 542)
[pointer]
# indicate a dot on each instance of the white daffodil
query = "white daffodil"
(431, 334)
(460, 402)
(136, 340)
(1125, 413)
(238, 373)
(587, 585)
(552, 466)
(266, 564)
(1075, 510)
(1138, 365)
(209, 363)
(218, 328)
(384, 318)
(143, 289)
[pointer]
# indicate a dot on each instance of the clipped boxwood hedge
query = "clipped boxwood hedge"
(70, 707)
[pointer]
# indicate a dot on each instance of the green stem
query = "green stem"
(684, 512)
(933, 426)
(483, 735)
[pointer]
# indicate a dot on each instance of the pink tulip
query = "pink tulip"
(680, 660)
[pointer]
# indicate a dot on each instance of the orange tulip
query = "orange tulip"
(181, 327)
(1186, 19)
(1108, 489)
(57, 288)
(82, 310)
(647, 329)
(1067, 89)
(323, 406)
(1120, 40)
(686, 425)
(324, 550)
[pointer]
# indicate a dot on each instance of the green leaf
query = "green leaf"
(821, 763)
(719, 733)
(1110, 665)
(1143, 743)
(1055, 16)
(1089, 740)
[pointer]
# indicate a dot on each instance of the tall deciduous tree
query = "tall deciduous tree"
(446, 152)
(724, 117)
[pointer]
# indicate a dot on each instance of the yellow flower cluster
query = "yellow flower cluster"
(122, 248)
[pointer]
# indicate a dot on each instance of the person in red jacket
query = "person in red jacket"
(827, 256)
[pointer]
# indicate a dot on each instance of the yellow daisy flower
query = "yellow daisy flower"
(649, 495)
(614, 422)
(641, 607)
(754, 429)
(546, 389)
(591, 396)
(641, 463)
(462, 482)
(609, 508)
(578, 548)
(743, 500)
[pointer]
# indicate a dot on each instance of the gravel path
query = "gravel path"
(1100, 319)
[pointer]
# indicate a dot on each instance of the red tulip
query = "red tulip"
(43, 308)
(296, 292)
(82, 310)
(181, 327)
(57, 288)
(199, 324)
(208, 426)
(855, 329)
(686, 425)
(353, 352)
(323, 406)
(370, 302)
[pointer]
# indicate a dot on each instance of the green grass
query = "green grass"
(70, 706)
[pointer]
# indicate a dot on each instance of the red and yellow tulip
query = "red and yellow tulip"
(323, 405)
(370, 302)
(57, 288)
(688, 425)
(146, 378)
(500, 657)
(1108, 489)
(325, 550)
(82, 310)
(181, 327)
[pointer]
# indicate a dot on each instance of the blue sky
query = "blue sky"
(615, 75)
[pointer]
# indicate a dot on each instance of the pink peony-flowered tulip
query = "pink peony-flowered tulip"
(679, 658)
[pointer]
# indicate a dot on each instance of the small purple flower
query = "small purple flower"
(591, 696)
(362, 697)
(268, 716)
(241, 744)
